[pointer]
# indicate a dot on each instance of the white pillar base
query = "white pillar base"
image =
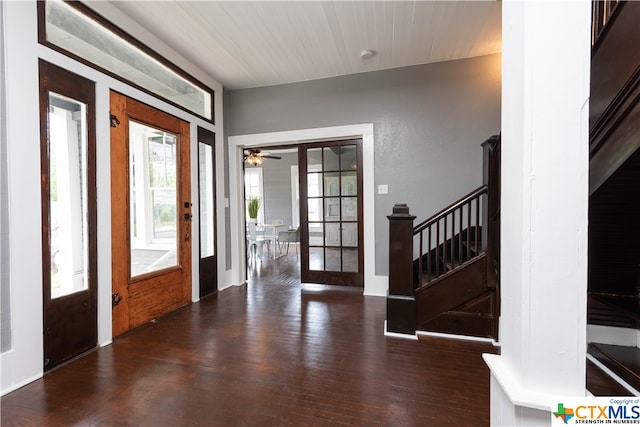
(506, 413)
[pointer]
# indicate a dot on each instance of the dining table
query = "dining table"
(270, 232)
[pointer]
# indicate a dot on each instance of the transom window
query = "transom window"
(78, 32)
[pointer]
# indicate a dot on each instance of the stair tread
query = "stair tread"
(624, 361)
(599, 383)
(630, 305)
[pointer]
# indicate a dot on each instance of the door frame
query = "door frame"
(373, 284)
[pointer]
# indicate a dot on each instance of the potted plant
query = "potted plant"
(253, 206)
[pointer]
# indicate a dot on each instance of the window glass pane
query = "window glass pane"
(68, 226)
(314, 160)
(205, 158)
(348, 159)
(349, 184)
(331, 158)
(349, 208)
(333, 261)
(316, 259)
(153, 199)
(68, 28)
(254, 189)
(349, 259)
(332, 236)
(315, 210)
(332, 209)
(164, 213)
(350, 234)
(314, 185)
(316, 234)
(332, 184)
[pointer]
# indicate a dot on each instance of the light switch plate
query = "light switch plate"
(383, 189)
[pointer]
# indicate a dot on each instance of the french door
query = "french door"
(150, 213)
(68, 162)
(207, 196)
(331, 202)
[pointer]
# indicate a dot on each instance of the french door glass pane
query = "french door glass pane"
(331, 158)
(348, 159)
(333, 261)
(350, 259)
(316, 259)
(205, 154)
(332, 199)
(153, 199)
(314, 160)
(68, 221)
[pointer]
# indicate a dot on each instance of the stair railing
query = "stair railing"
(450, 238)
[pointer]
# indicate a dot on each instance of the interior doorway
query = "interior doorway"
(272, 205)
(308, 196)
(373, 284)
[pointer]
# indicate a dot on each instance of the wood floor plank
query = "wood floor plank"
(265, 355)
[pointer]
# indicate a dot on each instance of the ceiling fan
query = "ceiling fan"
(255, 157)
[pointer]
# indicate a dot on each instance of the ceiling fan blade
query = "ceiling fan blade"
(269, 156)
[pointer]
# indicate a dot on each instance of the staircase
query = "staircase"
(623, 362)
(443, 274)
(614, 189)
(450, 280)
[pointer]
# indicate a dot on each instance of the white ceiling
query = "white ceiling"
(245, 44)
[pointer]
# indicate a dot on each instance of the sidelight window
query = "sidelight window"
(67, 153)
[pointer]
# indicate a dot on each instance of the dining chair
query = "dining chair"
(287, 237)
(255, 243)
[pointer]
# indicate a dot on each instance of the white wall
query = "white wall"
(23, 363)
(5, 308)
(426, 120)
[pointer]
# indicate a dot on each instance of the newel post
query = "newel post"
(401, 303)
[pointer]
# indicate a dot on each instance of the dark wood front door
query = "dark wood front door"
(150, 213)
(67, 133)
(331, 212)
(207, 202)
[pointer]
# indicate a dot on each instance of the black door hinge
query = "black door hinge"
(113, 120)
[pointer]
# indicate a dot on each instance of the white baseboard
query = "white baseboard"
(397, 335)
(20, 384)
(230, 285)
(458, 337)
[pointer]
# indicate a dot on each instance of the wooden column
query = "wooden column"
(491, 213)
(401, 303)
(491, 220)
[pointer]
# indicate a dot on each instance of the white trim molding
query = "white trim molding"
(397, 335)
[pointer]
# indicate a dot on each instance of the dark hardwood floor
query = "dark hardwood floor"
(263, 355)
